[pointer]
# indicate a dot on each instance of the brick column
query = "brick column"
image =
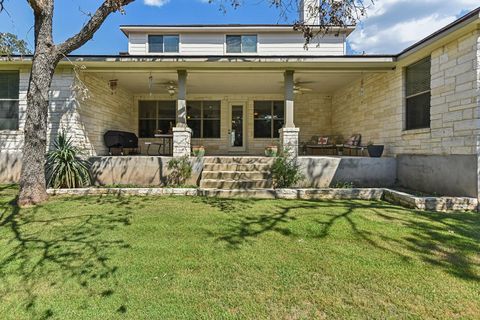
(182, 133)
(289, 134)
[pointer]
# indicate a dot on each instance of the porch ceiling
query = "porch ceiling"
(236, 82)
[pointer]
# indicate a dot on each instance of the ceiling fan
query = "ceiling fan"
(170, 85)
(299, 88)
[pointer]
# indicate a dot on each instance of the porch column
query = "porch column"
(182, 133)
(289, 134)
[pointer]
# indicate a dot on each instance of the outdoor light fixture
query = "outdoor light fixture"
(171, 91)
(113, 84)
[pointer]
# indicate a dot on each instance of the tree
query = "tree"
(47, 55)
(10, 44)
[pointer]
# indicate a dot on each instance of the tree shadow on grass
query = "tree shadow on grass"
(46, 248)
(450, 241)
(226, 205)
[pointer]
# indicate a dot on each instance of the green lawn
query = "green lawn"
(201, 258)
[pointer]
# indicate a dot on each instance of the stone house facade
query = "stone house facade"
(321, 92)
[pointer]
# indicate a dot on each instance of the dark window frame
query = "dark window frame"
(163, 43)
(202, 117)
(242, 51)
(273, 133)
(411, 96)
(157, 117)
(12, 98)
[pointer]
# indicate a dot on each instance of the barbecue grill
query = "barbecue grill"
(121, 140)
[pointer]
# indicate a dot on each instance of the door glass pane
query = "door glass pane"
(249, 43)
(155, 43)
(147, 110)
(171, 43)
(234, 44)
(237, 126)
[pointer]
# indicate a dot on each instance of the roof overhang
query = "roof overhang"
(271, 28)
(334, 63)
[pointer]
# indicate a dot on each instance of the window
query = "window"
(241, 43)
(156, 117)
(165, 43)
(418, 95)
(9, 91)
(203, 117)
(268, 118)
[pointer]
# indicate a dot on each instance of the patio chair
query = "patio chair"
(321, 144)
(353, 144)
(149, 144)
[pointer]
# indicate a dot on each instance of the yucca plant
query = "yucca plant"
(65, 168)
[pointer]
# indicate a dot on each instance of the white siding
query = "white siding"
(137, 43)
(277, 43)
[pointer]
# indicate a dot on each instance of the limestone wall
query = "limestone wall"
(377, 111)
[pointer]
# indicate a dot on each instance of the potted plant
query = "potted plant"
(271, 151)
(375, 150)
(198, 151)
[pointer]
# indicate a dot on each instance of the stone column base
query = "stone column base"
(289, 141)
(181, 141)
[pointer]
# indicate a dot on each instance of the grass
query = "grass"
(200, 258)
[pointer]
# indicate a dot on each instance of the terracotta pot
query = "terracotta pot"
(198, 151)
(271, 151)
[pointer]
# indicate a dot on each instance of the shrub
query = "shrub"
(344, 185)
(65, 168)
(181, 171)
(285, 172)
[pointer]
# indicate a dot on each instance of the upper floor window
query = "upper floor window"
(418, 95)
(241, 43)
(9, 92)
(268, 118)
(163, 43)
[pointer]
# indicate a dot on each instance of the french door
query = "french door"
(237, 127)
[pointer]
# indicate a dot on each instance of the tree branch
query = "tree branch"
(87, 32)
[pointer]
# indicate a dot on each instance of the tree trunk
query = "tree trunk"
(45, 60)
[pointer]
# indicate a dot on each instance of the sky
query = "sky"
(389, 27)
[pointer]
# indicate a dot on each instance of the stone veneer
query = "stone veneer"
(378, 113)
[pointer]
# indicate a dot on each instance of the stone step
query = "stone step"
(238, 160)
(236, 167)
(236, 184)
(238, 193)
(235, 175)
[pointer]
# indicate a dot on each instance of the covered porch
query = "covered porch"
(234, 110)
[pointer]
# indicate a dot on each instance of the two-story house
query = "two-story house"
(236, 89)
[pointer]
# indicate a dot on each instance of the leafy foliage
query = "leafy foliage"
(285, 171)
(65, 168)
(181, 171)
(10, 44)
